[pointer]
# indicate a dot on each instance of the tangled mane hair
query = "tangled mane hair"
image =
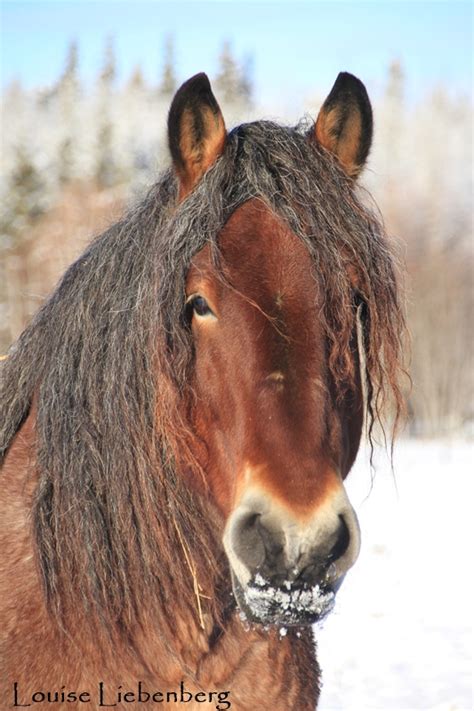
(107, 359)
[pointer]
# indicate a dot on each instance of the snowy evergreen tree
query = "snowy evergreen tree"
(168, 83)
(106, 168)
(228, 80)
(135, 127)
(68, 98)
(25, 200)
(389, 151)
(231, 83)
(136, 81)
(246, 83)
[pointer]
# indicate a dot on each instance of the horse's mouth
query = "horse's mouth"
(286, 605)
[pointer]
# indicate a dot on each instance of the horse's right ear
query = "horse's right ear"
(196, 131)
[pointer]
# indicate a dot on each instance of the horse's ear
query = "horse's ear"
(196, 131)
(344, 124)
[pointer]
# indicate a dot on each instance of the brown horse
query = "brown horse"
(179, 418)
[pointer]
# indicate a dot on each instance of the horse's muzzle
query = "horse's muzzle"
(286, 570)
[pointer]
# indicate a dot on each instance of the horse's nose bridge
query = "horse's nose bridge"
(298, 481)
(263, 536)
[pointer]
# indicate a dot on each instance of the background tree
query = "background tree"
(67, 94)
(25, 201)
(168, 82)
(106, 168)
(232, 82)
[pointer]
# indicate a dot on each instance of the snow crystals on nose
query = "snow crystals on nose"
(286, 602)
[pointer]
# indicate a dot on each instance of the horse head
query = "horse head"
(280, 429)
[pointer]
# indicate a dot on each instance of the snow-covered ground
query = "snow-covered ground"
(400, 637)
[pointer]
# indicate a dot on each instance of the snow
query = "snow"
(264, 600)
(400, 636)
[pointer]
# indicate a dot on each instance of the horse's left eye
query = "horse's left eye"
(200, 306)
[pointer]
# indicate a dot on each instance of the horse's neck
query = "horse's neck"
(260, 668)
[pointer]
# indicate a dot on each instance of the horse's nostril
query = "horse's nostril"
(250, 521)
(247, 541)
(258, 542)
(272, 540)
(342, 542)
(320, 564)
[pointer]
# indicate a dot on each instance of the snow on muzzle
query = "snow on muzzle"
(286, 568)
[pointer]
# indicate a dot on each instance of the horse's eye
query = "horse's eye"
(200, 306)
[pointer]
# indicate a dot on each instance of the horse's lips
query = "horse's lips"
(283, 605)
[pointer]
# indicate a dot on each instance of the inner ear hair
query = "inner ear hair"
(344, 124)
(196, 131)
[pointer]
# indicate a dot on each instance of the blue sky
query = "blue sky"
(297, 47)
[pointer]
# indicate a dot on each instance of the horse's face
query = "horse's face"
(278, 446)
(279, 442)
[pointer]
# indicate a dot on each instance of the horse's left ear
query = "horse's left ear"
(196, 131)
(344, 124)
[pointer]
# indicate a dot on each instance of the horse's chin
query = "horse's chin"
(285, 606)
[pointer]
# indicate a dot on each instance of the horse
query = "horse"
(180, 416)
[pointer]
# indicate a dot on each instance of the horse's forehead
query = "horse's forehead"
(260, 254)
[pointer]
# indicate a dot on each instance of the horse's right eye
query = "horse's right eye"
(199, 306)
